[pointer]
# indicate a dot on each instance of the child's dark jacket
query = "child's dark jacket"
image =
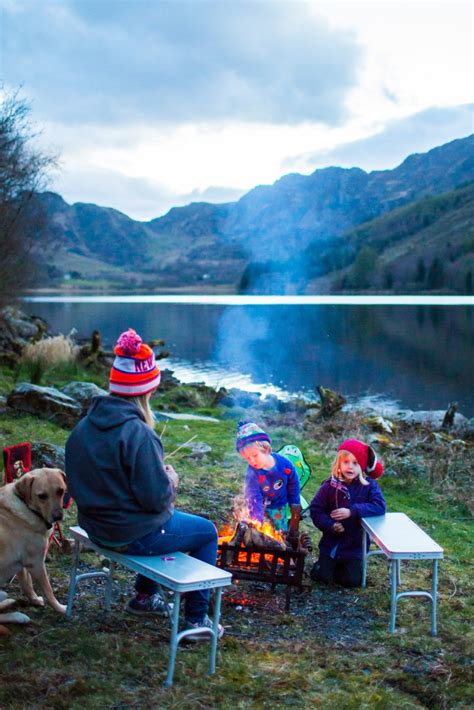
(363, 501)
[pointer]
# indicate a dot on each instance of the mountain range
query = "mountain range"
(406, 229)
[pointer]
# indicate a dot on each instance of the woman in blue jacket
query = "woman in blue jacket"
(337, 508)
(123, 489)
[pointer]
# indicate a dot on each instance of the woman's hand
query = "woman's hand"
(172, 475)
(338, 528)
(341, 514)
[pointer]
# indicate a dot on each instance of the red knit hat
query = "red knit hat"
(365, 455)
(134, 371)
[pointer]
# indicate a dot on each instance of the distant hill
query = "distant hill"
(427, 245)
(278, 238)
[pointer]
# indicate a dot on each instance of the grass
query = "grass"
(334, 649)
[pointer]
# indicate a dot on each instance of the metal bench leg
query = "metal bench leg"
(393, 594)
(173, 639)
(215, 635)
(399, 572)
(108, 585)
(434, 598)
(72, 580)
(364, 559)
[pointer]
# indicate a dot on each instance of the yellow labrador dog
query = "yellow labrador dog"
(29, 508)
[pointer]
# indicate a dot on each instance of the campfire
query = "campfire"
(255, 551)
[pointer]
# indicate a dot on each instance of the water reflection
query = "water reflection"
(418, 355)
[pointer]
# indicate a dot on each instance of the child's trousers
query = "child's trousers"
(345, 572)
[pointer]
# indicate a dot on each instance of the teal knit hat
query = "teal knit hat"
(248, 433)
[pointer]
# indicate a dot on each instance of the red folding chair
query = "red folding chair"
(17, 461)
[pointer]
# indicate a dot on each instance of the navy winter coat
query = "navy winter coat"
(363, 501)
(115, 473)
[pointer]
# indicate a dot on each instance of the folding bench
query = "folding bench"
(176, 572)
(399, 538)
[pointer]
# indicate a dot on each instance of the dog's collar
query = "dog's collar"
(48, 525)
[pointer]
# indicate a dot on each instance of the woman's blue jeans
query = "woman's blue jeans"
(182, 533)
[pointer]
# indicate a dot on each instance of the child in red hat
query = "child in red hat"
(337, 508)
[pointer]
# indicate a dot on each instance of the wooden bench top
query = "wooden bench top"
(400, 538)
(176, 570)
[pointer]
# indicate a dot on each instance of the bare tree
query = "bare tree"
(23, 172)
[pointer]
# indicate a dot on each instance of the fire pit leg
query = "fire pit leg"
(287, 599)
(215, 635)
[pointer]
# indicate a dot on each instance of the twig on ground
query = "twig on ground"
(180, 447)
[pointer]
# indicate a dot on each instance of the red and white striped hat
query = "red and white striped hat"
(134, 371)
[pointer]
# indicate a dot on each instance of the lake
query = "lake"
(401, 352)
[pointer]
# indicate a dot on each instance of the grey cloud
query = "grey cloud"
(416, 134)
(214, 193)
(138, 198)
(178, 61)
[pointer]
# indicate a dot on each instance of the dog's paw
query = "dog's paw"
(37, 601)
(61, 608)
(15, 617)
(6, 603)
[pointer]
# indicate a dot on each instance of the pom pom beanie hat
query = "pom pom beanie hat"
(248, 433)
(134, 371)
(365, 455)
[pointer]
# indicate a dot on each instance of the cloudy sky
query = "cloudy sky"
(158, 103)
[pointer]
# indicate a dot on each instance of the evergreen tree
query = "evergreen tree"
(435, 278)
(468, 284)
(362, 273)
(420, 271)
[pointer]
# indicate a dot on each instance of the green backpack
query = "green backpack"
(303, 469)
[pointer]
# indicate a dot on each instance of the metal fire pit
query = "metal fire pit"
(264, 565)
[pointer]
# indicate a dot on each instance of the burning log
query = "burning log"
(247, 534)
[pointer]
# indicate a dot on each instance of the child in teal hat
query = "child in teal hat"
(271, 481)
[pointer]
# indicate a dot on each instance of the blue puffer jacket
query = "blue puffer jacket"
(363, 501)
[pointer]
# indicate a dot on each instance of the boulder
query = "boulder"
(46, 403)
(380, 424)
(83, 392)
(199, 449)
(331, 402)
(432, 418)
(48, 455)
(195, 396)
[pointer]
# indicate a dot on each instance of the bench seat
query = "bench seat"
(399, 538)
(176, 572)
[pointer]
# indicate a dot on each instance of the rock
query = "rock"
(48, 455)
(16, 329)
(45, 402)
(432, 418)
(468, 429)
(380, 424)
(199, 449)
(83, 392)
(168, 380)
(240, 398)
(195, 396)
(331, 402)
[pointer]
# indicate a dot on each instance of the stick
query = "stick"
(164, 429)
(179, 447)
